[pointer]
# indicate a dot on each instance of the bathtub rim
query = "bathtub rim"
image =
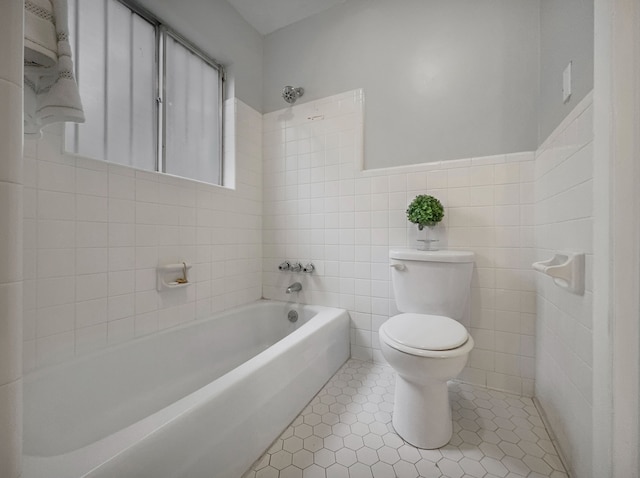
(36, 373)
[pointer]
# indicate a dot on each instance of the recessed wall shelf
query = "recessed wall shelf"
(173, 276)
(566, 269)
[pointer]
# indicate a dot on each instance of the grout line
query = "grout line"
(552, 435)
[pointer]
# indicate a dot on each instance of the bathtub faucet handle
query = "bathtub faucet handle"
(309, 268)
(296, 267)
(285, 266)
(295, 287)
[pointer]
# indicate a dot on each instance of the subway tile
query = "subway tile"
(507, 300)
(91, 182)
(146, 301)
(121, 282)
(121, 187)
(459, 177)
(55, 320)
(11, 411)
(90, 234)
(30, 203)
(55, 291)
(29, 173)
(55, 348)
(460, 197)
(481, 175)
(91, 260)
(91, 286)
(507, 342)
(398, 201)
(56, 177)
(508, 383)
(90, 339)
(508, 194)
(507, 364)
(11, 131)
(480, 196)
(417, 182)
(507, 173)
(121, 330)
(91, 312)
(437, 179)
(397, 183)
(11, 329)
(507, 321)
(56, 205)
(484, 338)
(146, 323)
(91, 208)
(508, 236)
(122, 258)
(55, 263)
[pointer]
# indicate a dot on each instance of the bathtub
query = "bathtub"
(201, 400)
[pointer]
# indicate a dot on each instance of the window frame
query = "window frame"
(162, 30)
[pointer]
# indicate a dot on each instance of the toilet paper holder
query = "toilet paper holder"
(566, 269)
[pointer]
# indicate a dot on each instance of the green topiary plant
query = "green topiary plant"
(425, 210)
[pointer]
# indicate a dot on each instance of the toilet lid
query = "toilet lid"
(426, 332)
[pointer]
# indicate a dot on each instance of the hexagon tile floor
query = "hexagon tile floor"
(346, 432)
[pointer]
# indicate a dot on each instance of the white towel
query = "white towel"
(50, 90)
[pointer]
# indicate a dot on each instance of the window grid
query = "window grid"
(166, 33)
(106, 119)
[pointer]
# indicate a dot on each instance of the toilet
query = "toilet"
(426, 344)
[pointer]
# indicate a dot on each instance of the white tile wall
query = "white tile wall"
(11, 71)
(94, 233)
(320, 206)
(563, 211)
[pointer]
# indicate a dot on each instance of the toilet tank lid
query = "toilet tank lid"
(426, 332)
(431, 256)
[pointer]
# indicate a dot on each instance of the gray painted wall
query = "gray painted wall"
(443, 79)
(218, 29)
(566, 34)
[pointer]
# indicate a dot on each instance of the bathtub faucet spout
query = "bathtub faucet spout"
(295, 287)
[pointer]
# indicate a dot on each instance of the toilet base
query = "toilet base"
(422, 413)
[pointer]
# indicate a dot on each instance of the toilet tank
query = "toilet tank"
(431, 282)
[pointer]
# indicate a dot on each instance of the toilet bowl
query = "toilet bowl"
(425, 345)
(421, 413)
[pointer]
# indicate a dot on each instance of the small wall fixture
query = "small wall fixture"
(172, 276)
(296, 267)
(566, 269)
(291, 94)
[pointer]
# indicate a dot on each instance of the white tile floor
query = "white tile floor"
(346, 432)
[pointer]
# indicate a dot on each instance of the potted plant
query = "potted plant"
(426, 211)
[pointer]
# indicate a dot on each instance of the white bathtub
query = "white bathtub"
(201, 400)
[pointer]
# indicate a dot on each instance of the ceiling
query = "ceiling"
(267, 16)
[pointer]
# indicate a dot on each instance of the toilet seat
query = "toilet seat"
(422, 334)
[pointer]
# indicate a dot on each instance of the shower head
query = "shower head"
(291, 94)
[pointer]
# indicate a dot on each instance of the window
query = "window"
(152, 100)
